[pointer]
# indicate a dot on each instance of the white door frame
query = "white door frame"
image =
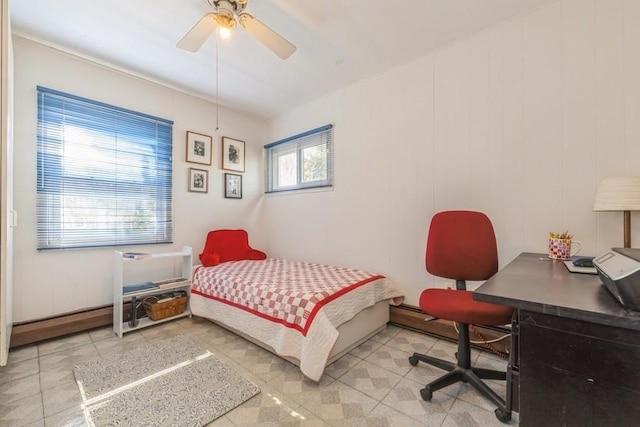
(7, 218)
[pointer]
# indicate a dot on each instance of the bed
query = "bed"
(310, 314)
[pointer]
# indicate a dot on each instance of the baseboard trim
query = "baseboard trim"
(405, 316)
(413, 318)
(55, 327)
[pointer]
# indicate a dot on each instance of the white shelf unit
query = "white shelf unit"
(120, 261)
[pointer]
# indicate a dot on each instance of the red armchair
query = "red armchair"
(228, 245)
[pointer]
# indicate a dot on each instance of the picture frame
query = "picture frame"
(233, 154)
(198, 148)
(232, 186)
(198, 180)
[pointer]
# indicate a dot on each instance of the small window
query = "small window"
(104, 174)
(301, 161)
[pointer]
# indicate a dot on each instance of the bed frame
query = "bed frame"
(352, 333)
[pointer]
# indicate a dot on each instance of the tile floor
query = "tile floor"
(374, 385)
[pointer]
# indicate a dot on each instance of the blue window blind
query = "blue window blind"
(104, 174)
(300, 161)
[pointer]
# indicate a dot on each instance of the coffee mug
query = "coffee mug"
(561, 248)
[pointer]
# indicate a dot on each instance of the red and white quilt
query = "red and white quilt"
(294, 307)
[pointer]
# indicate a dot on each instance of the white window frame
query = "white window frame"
(321, 138)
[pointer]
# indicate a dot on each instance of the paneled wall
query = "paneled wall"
(520, 121)
(50, 283)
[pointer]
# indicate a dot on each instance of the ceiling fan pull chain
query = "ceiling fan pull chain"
(217, 79)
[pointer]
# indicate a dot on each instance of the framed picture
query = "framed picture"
(232, 186)
(198, 180)
(198, 148)
(232, 154)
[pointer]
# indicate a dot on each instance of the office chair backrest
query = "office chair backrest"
(461, 245)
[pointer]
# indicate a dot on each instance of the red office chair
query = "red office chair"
(462, 246)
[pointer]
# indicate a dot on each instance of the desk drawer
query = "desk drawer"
(577, 373)
(597, 354)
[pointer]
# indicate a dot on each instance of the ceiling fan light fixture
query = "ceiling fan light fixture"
(225, 21)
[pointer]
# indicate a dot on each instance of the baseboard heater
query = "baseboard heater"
(413, 318)
(405, 316)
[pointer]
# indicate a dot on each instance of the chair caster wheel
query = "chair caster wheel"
(426, 394)
(502, 416)
(413, 361)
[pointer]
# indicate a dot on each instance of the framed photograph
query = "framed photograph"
(198, 148)
(198, 180)
(232, 186)
(232, 154)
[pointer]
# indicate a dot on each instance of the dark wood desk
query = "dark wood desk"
(575, 354)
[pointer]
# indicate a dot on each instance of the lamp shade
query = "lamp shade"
(618, 194)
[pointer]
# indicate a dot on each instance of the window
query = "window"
(104, 174)
(300, 161)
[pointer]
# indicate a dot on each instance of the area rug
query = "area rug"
(170, 382)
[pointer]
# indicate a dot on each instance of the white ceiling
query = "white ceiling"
(338, 41)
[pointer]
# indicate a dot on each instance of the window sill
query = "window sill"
(300, 191)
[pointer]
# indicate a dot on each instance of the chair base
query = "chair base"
(462, 371)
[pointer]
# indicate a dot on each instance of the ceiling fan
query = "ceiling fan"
(224, 17)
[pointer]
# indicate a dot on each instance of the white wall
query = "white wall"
(48, 283)
(520, 121)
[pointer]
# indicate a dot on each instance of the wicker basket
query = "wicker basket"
(161, 310)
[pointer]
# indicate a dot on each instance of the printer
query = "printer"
(619, 270)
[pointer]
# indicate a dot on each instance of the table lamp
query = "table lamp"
(619, 194)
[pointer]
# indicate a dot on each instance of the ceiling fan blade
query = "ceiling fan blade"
(195, 38)
(265, 35)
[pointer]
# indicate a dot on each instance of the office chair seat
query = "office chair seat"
(461, 246)
(459, 306)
